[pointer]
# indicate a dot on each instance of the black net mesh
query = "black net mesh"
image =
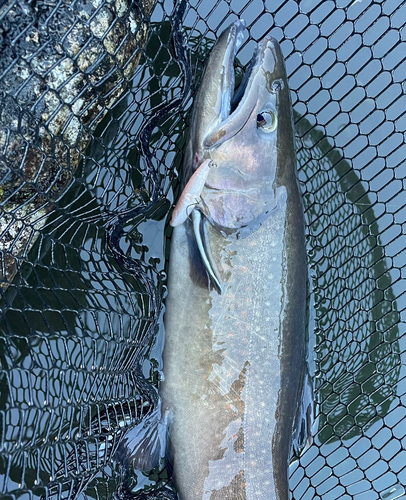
(94, 102)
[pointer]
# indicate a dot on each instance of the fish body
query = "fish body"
(235, 350)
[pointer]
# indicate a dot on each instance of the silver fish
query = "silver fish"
(235, 350)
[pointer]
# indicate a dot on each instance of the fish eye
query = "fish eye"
(267, 121)
(277, 85)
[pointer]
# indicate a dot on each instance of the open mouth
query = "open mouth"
(242, 86)
(236, 105)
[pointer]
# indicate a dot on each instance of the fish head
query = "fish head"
(245, 144)
(240, 148)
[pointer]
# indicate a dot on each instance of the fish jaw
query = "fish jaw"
(213, 99)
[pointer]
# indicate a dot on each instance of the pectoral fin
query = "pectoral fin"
(204, 248)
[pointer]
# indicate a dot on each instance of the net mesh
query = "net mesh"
(94, 102)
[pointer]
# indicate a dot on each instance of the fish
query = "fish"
(236, 376)
(236, 395)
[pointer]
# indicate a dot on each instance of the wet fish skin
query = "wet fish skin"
(235, 362)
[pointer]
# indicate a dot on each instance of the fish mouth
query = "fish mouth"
(239, 190)
(237, 105)
(266, 57)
